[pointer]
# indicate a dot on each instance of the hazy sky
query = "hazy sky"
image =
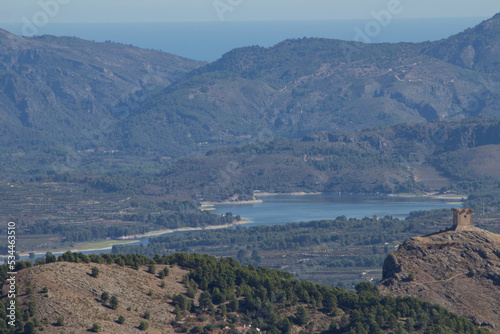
(76, 11)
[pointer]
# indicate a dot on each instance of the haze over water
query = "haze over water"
(208, 41)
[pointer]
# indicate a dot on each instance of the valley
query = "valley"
(106, 143)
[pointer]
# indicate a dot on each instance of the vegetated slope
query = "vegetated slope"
(339, 252)
(65, 99)
(64, 91)
(459, 270)
(441, 156)
(306, 85)
(201, 293)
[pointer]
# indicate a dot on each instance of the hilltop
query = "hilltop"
(200, 293)
(459, 270)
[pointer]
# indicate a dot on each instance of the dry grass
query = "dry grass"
(75, 295)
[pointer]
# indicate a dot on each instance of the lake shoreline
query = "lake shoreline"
(210, 205)
(435, 195)
(134, 238)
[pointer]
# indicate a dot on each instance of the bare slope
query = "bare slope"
(75, 295)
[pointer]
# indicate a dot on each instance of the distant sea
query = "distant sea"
(208, 41)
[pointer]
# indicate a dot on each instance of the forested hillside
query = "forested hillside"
(191, 292)
(459, 157)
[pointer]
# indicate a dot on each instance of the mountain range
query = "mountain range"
(63, 94)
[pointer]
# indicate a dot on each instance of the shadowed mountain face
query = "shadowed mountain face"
(458, 269)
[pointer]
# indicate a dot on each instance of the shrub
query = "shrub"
(196, 329)
(143, 325)
(60, 321)
(96, 327)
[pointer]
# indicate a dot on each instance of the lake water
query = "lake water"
(284, 209)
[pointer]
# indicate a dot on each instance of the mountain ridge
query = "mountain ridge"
(306, 85)
(163, 107)
(56, 90)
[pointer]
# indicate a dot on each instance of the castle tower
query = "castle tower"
(462, 219)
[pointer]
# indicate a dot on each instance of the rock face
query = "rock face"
(458, 269)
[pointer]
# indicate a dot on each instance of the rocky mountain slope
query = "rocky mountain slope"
(305, 85)
(58, 90)
(61, 94)
(459, 270)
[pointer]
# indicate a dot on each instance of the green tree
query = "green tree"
(113, 302)
(178, 313)
(147, 315)
(104, 297)
(164, 272)
(191, 292)
(301, 315)
(330, 302)
(29, 327)
(233, 305)
(121, 320)
(205, 301)
(95, 272)
(218, 297)
(182, 301)
(285, 326)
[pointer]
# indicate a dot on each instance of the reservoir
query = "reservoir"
(282, 209)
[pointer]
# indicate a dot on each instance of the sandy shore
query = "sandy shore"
(210, 205)
(184, 229)
(256, 194)
(455, 197)
(297, 193)
(92, 246)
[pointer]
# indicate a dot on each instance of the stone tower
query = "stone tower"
(462, 219)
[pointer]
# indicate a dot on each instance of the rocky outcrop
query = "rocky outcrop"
(459, 270)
